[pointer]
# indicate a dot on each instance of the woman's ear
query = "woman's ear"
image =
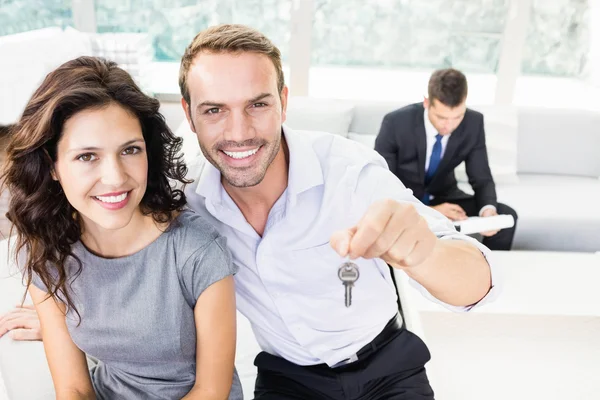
(53, 174)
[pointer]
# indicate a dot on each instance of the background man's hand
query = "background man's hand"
(489, 212)
(454, 212)
(22, 323)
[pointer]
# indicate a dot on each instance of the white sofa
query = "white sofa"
(24, 373)
(26, 58)
(546, 163)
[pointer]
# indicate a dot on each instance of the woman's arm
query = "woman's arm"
(215, 318)
(68, 365)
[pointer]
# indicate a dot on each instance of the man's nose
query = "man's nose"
(238, 127)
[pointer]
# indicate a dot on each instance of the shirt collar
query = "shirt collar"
(429, 128)
(304, 171)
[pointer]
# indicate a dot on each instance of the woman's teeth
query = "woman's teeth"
(112, 199)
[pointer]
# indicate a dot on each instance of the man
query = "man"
(294, 207)
(423, 143)
(22, 322)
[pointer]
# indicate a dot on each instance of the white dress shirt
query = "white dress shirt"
(431, 133)
(287, 285)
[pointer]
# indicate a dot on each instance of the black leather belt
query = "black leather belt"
(385, 336)
(389, 332)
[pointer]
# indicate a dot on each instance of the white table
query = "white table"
(539, 340)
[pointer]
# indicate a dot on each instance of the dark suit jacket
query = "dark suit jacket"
(402, 142)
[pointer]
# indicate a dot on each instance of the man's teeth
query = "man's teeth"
(241, 154)
(112, 199)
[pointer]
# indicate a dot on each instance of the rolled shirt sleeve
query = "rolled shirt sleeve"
(376, 182)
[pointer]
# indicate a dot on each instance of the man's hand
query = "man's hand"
(22, 322)
(454, 212)
(392, 231)
(489, 212)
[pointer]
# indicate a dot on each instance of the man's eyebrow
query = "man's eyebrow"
(261, 96)
(210, 103)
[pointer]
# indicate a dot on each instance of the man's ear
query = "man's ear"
(188, 114)
(425, 102)
(284, 101)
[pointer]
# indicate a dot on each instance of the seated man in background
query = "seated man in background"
(424, 142)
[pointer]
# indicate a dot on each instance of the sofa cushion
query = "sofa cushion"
(501, 132)
(367, 140)
(313, 114)
(23, 71)
(368, 115)
(555, 212)
(559, 141)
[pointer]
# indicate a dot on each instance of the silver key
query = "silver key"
(348, 274)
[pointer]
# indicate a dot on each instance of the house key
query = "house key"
(348, 274)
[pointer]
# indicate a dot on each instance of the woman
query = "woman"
(117, 269)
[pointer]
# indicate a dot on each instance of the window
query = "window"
(558, 38)
(18, 16)
(173, 24)
(465, 34)
(417, 34)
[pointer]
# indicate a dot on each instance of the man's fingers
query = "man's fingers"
(370, 227)
(26, 334)
(23, 321)
(458, 209)
(11, 325)
(340, 241)
(461, 217)
(17, 313)
(392, 231)
(403, 246)
(25, 306)
(489, 233)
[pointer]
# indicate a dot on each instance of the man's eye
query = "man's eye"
(213, 110)
(260, 104)
(87, 157)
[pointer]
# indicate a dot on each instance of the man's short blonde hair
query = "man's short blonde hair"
(228, 38)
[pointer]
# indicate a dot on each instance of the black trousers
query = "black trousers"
(395, 371)
(500, 241)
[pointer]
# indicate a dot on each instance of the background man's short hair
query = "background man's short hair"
(448, 86)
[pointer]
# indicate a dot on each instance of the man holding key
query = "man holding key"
(313, 220)
(295, 206)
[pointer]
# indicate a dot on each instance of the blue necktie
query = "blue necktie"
(434, 163)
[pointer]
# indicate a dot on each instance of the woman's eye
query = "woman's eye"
(131, 150)
(87, 157)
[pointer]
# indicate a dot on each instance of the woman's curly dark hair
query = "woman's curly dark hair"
(39, 211)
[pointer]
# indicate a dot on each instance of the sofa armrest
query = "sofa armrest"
(25, 371)
(410, 312)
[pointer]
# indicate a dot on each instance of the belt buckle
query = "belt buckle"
(350, 360)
